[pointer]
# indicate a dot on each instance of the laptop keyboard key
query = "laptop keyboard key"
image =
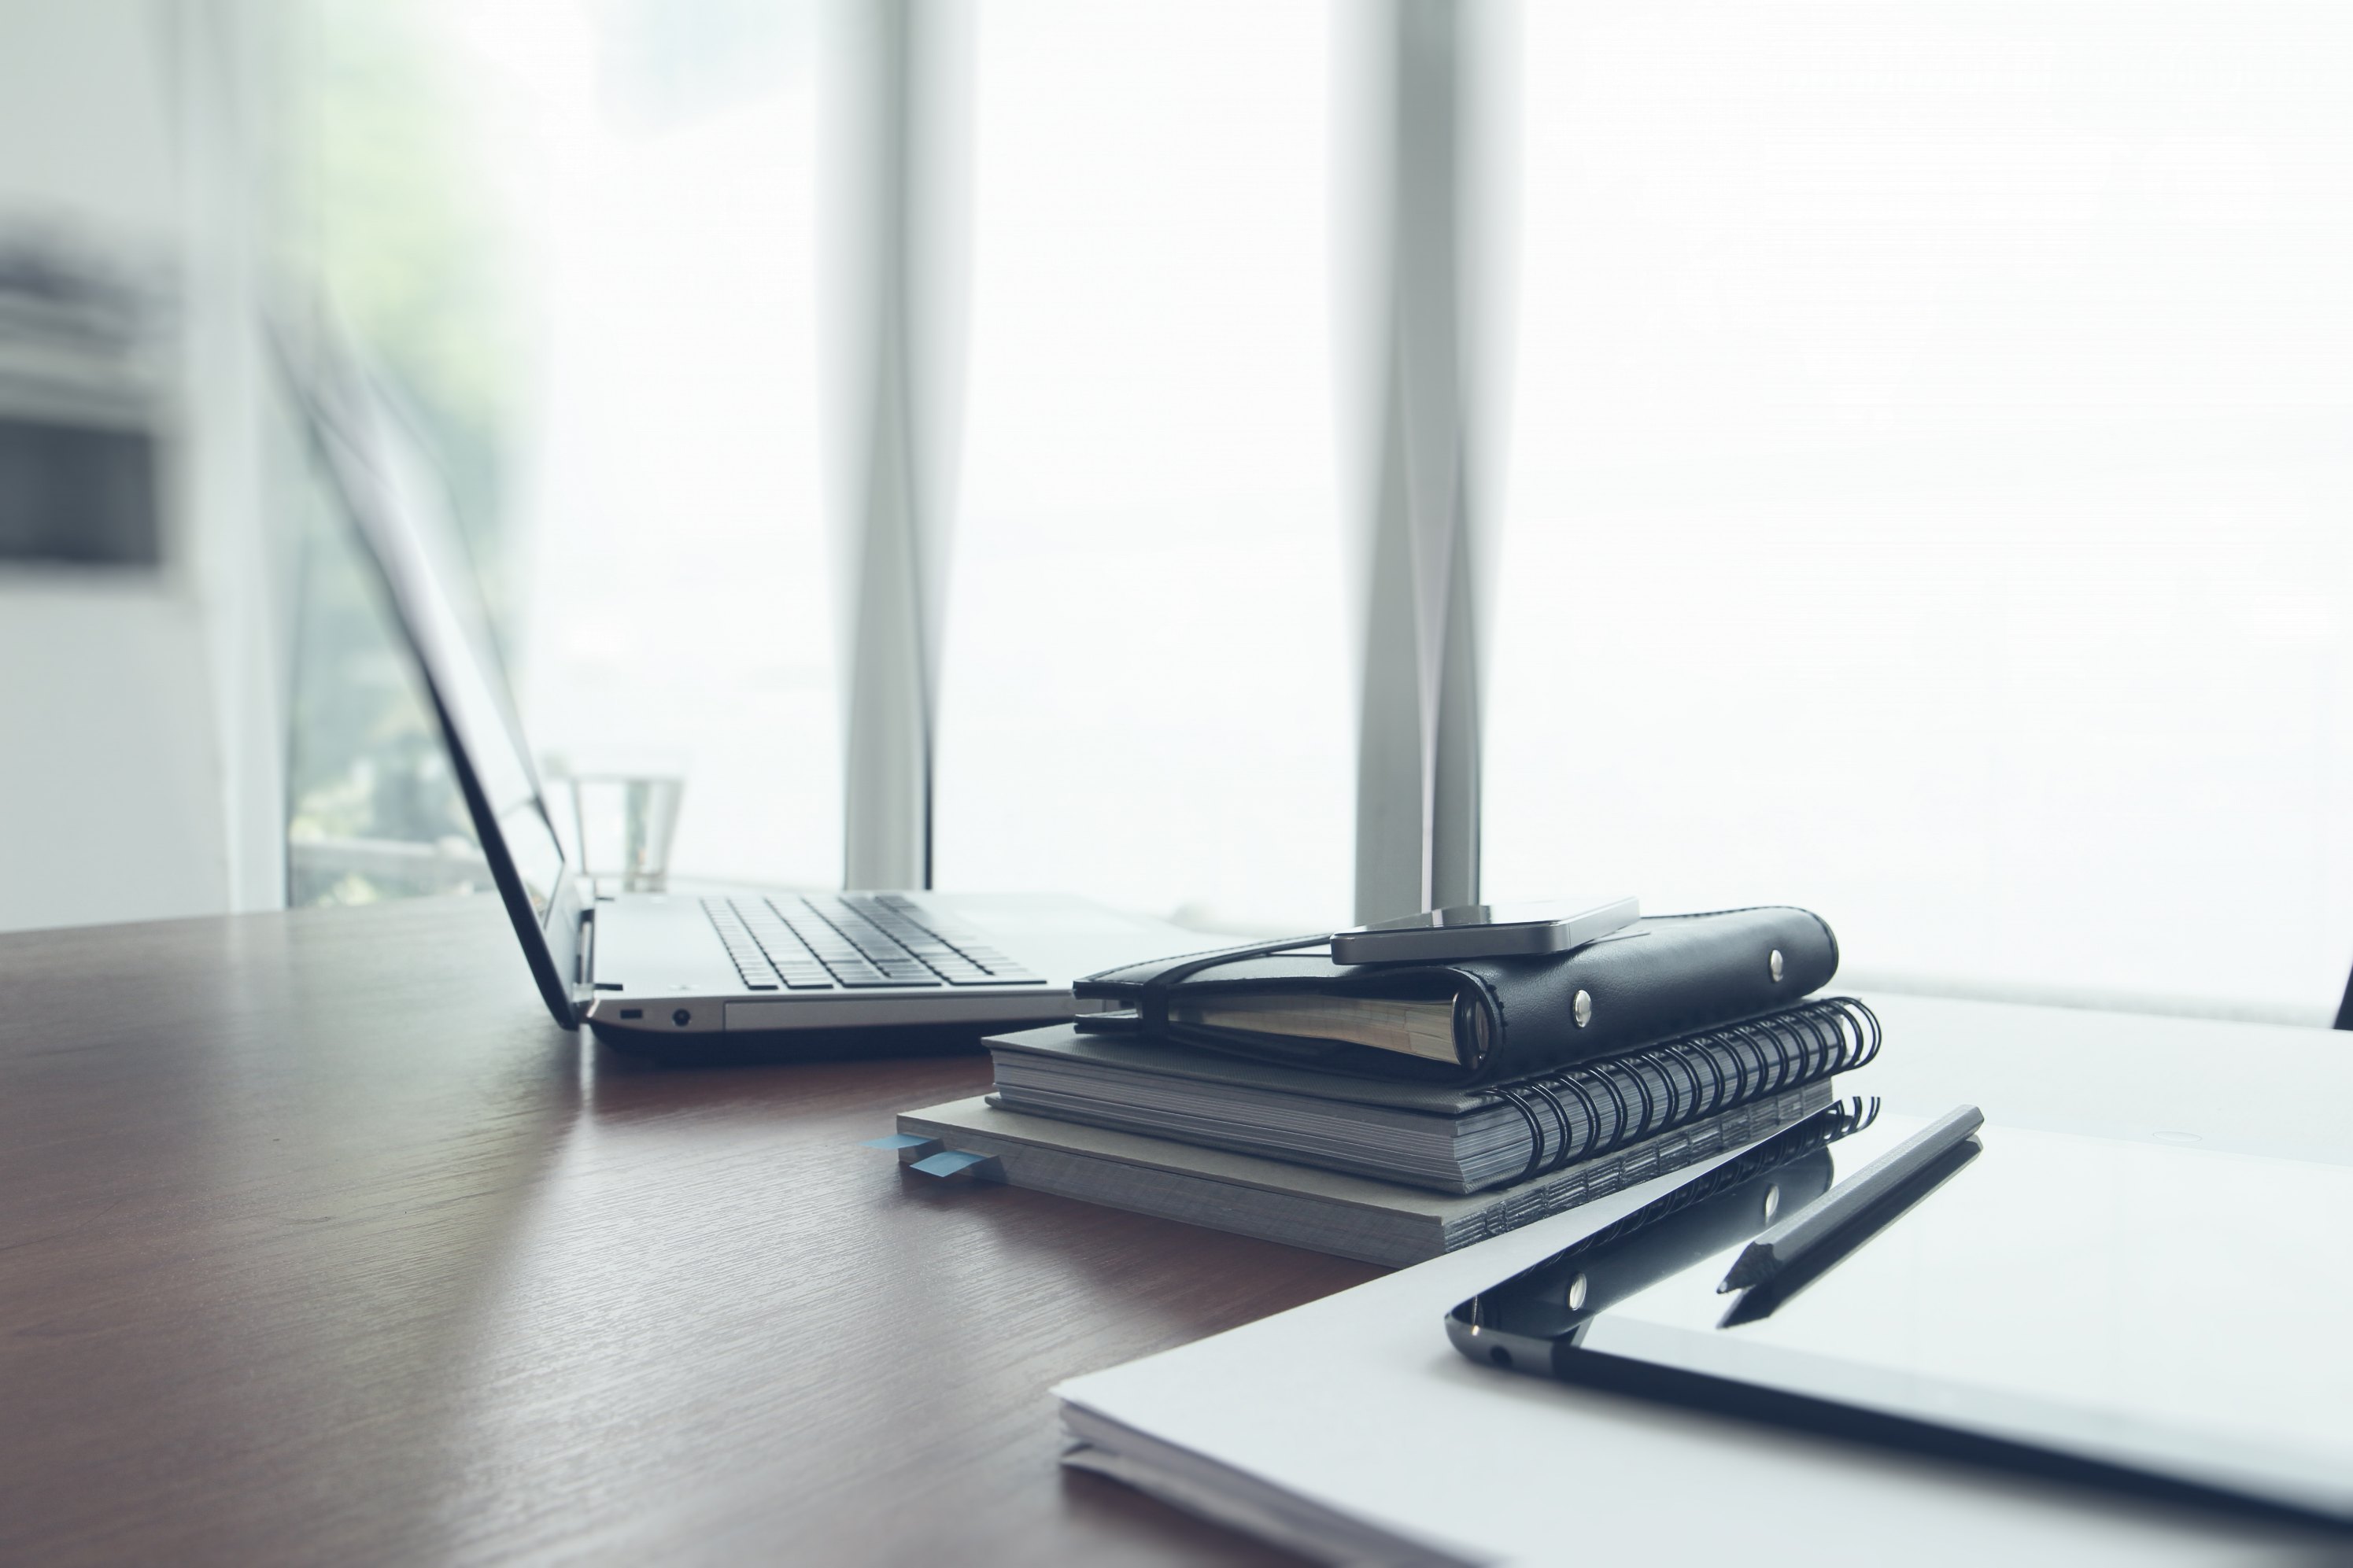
(866, 943)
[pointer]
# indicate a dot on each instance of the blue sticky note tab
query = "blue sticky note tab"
(897, 1141)
(949, 1162)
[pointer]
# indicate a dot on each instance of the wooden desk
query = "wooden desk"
(320, 1242)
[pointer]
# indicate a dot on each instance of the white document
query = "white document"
(1349, 1429)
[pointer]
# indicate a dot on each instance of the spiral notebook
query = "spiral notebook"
(1447, 1139)
(1299, 1206)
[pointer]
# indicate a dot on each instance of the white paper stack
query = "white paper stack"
(1350, 1431)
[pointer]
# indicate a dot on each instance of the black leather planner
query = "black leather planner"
(1512, 1017)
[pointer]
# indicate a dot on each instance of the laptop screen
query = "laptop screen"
(390, 493)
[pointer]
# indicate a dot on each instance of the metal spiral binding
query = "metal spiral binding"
(1838, 1120)
(1809, 1041)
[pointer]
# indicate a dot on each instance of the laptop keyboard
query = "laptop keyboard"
(854, 942)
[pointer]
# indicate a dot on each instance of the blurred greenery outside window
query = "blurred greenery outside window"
(631, 414)
(395, 209)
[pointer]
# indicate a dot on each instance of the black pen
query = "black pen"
(1799, 1233)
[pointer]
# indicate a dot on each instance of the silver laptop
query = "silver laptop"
(672, 974)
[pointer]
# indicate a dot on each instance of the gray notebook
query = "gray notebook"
(1325, 1211)
(1447, 1139)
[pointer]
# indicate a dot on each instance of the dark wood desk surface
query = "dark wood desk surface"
(322, 1243)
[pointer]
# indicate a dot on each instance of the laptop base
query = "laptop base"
(746, 1047)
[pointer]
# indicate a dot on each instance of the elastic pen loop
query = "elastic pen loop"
(1152, 997)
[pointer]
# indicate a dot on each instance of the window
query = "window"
(1930, 484)
(682, 613)
(578, 238)
(1147, 694)
(1923, 499)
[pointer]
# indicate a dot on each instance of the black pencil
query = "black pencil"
(1798, 1232)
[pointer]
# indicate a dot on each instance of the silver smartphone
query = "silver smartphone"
(1485, 930)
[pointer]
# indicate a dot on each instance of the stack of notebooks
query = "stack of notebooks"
(1393, 1113)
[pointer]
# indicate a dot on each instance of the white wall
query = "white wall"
(141, 742)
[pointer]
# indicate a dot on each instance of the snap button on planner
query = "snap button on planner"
(1583, 1008)
(1774, 963)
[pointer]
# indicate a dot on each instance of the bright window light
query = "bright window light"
(1930, 484)
(1147, 694)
